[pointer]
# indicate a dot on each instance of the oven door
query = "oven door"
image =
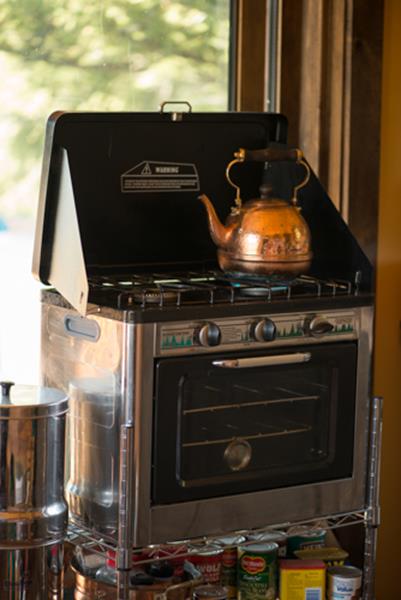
(227, 424)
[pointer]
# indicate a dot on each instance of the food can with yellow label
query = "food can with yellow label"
(257, 571)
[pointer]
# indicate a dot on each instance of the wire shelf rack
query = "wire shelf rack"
(88, 541)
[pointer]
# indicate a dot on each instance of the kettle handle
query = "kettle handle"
(269, 155)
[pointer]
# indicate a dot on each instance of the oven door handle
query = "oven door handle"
(263, 361)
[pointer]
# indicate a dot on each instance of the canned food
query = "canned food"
(174, 552)
(208, 560)
(257, 571)
(229, 562)
(279, 537)
(301, 537)
(210, 592)
(344, 583)
(332, 556)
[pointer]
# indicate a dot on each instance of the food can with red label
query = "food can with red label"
(229, 562)
(257, 571)
(208, 560)
(173, 552)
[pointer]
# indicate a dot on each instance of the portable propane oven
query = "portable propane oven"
(200, 403)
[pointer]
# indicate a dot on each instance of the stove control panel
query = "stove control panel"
(259, 331)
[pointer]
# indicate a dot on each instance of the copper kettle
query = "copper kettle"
(265, 236)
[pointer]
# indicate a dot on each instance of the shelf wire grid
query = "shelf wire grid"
(90, 542)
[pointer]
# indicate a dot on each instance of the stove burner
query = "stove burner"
(261, 291)
(154, 296)
(211, 287)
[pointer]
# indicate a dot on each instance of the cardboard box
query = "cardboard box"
(302, 580)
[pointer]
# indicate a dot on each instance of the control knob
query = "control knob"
(208, 334)
(263, 330)
(318, 326)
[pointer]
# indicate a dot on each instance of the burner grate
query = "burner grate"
(212, 287)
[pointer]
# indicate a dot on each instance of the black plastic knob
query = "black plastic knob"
(263, 330)
(209, 334)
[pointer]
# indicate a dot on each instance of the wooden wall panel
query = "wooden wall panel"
(331, 75)
(387, 365)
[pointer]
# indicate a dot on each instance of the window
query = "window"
(106, 55)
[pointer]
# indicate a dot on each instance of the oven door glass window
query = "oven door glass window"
(225, 429)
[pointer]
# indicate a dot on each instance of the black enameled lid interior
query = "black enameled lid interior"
(136, 178)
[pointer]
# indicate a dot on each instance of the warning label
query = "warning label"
(153, 176)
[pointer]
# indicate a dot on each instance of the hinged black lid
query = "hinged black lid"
(119, 194)
(119, 191)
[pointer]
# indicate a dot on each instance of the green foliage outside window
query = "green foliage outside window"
(96, 55)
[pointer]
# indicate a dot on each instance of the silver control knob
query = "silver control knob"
(318, 326)
(208, 334)
(263, 331)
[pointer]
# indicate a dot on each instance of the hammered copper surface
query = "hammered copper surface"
(263, 237)
(87, 588)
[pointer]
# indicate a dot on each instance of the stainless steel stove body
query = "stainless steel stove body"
(199, 403)
(234, 416)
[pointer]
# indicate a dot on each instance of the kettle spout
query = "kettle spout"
(219, 233)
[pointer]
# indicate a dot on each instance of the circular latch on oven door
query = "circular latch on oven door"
(238, 454)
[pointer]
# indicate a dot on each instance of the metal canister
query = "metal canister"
(210, 592)
(301, 537)
(229, 562)
(344, 583)
(93, 454)
(208, 560)
(257, 571)
(33, 512)
(279, 537)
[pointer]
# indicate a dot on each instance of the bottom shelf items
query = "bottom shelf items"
(306, 559)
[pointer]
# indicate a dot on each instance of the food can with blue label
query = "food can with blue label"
(257, 571)
(344, 583)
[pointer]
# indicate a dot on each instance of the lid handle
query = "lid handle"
(176, 115)
(164, 104)
(5, 389)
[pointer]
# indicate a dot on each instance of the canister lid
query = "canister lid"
(30, 401)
